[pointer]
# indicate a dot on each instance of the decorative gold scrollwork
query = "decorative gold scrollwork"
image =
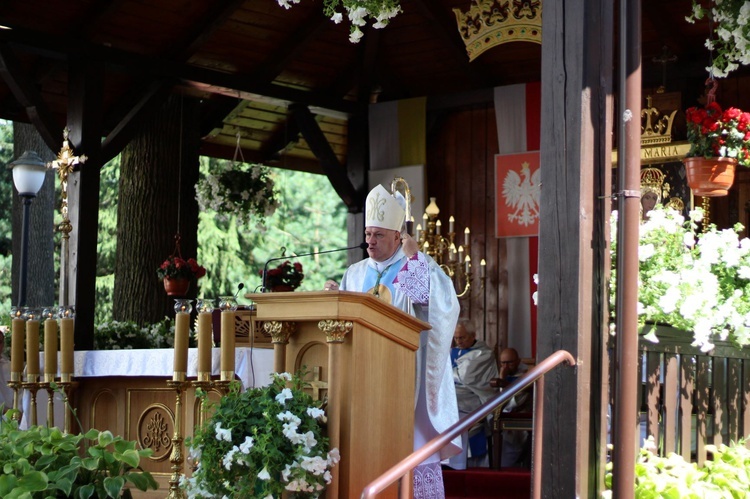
(280, 331)
(335, 331)
(157, 434)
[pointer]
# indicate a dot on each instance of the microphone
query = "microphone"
(239, 288)
(362, 245)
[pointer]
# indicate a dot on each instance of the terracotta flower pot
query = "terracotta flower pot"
(176, 287)
(710, 177)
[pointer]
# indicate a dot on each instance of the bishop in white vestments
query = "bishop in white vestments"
(410, 280)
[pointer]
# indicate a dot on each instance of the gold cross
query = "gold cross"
(316, 385)
(64, 165)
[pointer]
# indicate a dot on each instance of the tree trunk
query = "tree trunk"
(40, 278)
(157, 199)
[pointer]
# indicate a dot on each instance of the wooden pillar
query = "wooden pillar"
(575, 147)
(85, 90)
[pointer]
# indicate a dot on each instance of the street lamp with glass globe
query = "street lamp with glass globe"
(28, 176)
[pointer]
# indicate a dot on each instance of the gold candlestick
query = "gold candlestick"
(176, 456)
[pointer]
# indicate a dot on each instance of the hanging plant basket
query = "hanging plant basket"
(176, 286)
(710, 177)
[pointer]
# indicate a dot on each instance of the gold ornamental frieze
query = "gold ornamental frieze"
(280, 331)
(154, 430)
(335, 330)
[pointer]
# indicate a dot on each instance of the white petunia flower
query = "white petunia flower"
(284, 395)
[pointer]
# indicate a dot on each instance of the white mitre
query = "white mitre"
(384, 210)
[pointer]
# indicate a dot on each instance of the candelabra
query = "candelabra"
(455, 262)
(204, 383)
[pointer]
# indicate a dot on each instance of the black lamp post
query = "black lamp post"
(28, 176)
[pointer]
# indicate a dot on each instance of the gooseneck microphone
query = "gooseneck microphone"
(362, 245)
(239, 288)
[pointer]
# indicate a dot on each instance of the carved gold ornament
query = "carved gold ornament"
(490, 23)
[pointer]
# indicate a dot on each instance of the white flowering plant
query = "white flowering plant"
(127, 335)
(730, 38)
(691, 280)
(262, 442)
(357, 12)
(248, 194)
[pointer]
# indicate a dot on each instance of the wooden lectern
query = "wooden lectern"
(367, 351)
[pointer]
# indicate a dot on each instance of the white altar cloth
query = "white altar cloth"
(253, 366)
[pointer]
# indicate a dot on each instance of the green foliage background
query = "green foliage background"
(310, 217)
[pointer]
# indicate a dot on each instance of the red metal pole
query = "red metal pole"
(629, 165)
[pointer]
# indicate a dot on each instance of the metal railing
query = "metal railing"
(402, 470)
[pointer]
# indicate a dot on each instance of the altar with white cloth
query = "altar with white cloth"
(125, 391)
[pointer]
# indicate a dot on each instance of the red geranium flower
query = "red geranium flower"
(716, 133)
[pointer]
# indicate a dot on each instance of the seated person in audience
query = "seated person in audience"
(516, 443)
(474, 366)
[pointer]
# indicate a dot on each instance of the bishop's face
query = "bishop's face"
(381, 243)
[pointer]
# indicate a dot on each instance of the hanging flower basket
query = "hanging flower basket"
(177, 286)
(710, 177)
(178, 273)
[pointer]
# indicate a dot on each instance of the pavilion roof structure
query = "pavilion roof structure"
(254, 64)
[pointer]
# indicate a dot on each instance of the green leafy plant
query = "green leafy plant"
(725, 475)
(45, 462)
(261, 442)
(691, 280)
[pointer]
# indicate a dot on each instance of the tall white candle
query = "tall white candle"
(16, 348)
(67, 346)
(466, 236)
(50, 348)
(482, 268)
(438, 226)
(32, 348)
(181, 339)
(467, 262)
(451, 223)
(227, 344)
(204, 342)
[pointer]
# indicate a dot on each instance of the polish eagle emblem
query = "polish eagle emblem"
(522, 195)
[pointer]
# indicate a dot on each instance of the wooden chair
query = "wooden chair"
(514, 421)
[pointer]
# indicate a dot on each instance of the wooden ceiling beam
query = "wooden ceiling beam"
(224, 151)
(213, 112)
(197, 35)
(287, 51)
(26, 93)
(285, 135)
(207, 79)
(149, 104)
(328, 161)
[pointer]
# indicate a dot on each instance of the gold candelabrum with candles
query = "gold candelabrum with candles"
(26, 324)
(179, 382)
(455, 261)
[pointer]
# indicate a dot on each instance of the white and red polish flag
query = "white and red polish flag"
(518, 115)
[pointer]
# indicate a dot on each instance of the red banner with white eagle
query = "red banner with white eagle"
(517, 186)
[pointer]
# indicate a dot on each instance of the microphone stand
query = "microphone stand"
(263, 289)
